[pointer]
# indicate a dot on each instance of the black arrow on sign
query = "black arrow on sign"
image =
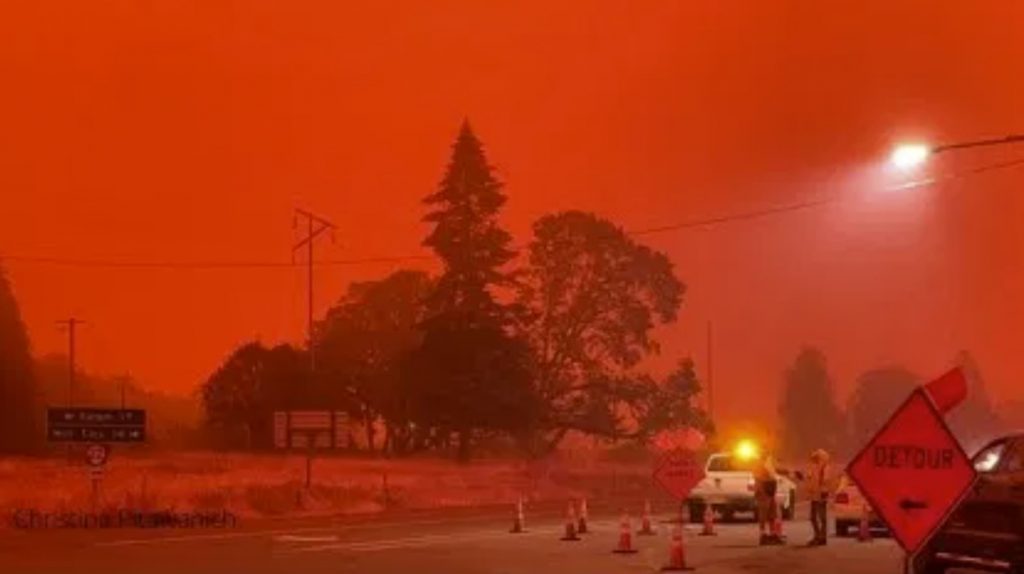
(908, 504)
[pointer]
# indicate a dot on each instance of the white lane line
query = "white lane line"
(416, 542)
(280, 531)
(440, 539)
(293, 538)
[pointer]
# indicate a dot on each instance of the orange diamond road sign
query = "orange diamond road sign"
(913, 472)
(678, 472)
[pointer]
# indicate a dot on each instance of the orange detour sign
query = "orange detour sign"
(913, 472)
(678, 472)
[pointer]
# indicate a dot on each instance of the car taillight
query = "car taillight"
(842, 498)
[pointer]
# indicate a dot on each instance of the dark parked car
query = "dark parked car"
(986, 531)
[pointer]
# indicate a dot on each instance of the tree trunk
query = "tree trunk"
(464, 445)
(370, 431)
(388, 448)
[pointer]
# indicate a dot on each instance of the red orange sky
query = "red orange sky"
(183, 131)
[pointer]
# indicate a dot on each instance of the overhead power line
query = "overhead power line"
(385, 259)
(201, 265)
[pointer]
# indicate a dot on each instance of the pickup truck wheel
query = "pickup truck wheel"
(696, 512)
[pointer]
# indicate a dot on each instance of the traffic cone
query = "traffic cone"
(709, 522)
(582, 529)
(519, 524)
(864, 530)
(676, 553)
(625, 537)
(645, 521)
(570, 525)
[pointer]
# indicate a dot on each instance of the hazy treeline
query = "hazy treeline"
(811, 415)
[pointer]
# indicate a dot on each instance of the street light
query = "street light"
(909, 156)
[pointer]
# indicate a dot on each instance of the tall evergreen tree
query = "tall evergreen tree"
(470, 377)
(467, 236)
(810, 416)
(19, 431)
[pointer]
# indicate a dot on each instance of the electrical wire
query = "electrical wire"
(695, 223)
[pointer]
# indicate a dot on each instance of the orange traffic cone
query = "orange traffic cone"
(676, 553)
(645, 521)
(519, 524)
(570, 525)
(582, 529)
(709, 522)
(625, 537)
(864, 531)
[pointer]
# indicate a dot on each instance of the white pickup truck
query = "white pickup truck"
(728, 486)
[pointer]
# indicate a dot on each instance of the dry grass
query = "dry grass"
(272, 485)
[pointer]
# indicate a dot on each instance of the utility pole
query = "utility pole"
(711, 394)
(315, 225)
(123, 381)
(71, 323)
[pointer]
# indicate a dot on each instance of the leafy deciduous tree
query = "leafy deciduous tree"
(362, 343)
(254, 382)
(591, 297)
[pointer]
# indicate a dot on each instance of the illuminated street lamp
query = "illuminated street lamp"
(910, 156)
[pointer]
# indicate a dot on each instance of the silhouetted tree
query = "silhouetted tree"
(670, 405)
(362, 342)
(808, 411)
(20, 430)
(591, 297)
(467, 237)
(975, 421)
(878, 393)
(456, 370)
(253, 383)
(473, 382)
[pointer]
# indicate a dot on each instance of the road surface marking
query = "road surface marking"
(293, 538)
(418, 541)
(278, 532)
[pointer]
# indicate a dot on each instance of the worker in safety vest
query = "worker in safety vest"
(818, 491)
(766, 485)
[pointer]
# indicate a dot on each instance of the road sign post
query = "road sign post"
(913, 472)
(96, 456)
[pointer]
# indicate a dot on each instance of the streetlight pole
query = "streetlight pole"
(711, 393)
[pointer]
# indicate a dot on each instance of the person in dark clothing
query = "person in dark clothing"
(817, 489)
(766, 485)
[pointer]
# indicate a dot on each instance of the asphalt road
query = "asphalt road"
(453, 542)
